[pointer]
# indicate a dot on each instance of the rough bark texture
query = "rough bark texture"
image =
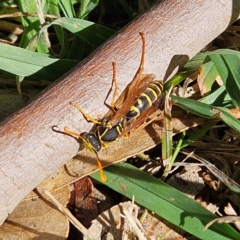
(31, 151)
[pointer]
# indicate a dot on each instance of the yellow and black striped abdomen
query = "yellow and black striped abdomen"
(146, 99)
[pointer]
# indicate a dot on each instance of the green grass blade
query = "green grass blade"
(165, 201)
(53, 8)
(23, 62)
(189, 68)
(227, 117)
(219, 98)
(207, 111)
(193, 106)
(67, 8)
(227, 64)
(206, 127)
(31, 27)
(90, 32)
(86, 7)
(76, 51)
(207, 76)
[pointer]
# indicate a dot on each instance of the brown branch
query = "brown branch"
(30, 151)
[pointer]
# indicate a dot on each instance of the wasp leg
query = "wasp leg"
(115, 86)
(141, 67)
(104, 144)
(101, 173)
(86, 116)
(112, 107)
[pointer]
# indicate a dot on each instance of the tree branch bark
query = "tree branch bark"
(30, 151)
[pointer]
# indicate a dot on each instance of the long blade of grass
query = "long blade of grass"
(165, 201)
(208, 111)
(23, 62)
(90, 32)
(193, 106)
(206, 127)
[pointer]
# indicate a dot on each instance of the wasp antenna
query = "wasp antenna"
(66, 130)
(55, 128)
(101, 173)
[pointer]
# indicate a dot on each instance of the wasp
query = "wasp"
(142, 97)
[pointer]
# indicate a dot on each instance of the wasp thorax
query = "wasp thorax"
(91, 141)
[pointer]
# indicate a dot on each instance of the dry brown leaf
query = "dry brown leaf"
(82, 204)
(229, 210)
(37, 218)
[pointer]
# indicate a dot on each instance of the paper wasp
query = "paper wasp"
(142, 97)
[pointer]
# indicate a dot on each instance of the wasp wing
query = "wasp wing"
(131, 94)
(145, 118)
